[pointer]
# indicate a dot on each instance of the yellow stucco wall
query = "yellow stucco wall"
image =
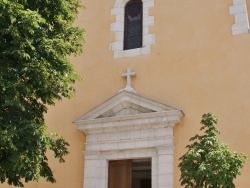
(195, 65)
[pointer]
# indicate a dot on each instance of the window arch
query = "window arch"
(133, 25)
(147, 39)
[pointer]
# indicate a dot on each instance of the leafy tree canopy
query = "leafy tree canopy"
(209, 163)
(36, 39)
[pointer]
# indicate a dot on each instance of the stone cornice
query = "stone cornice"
(168, 118)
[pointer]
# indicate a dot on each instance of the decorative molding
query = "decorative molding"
(121, 101)
(131, 122)
(118, 28)
(148, 134)
(239, 10)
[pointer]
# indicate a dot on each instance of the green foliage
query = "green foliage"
(209, 163)
(36, 39)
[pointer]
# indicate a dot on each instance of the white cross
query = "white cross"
(128, 74)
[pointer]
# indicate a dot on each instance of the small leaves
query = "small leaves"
(209, 162)
(36, 40)
(59, 146)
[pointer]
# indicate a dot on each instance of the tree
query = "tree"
(36, 40)
(209, 163)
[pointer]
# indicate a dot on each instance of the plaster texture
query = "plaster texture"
(195, 65)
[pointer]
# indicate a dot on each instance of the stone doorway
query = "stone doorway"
(129, 126)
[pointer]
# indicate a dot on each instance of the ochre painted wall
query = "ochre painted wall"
(195, 65)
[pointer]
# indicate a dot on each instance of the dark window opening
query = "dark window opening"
(133, 25)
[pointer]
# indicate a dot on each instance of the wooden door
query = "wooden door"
(119, 174)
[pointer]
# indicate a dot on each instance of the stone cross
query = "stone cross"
(128, 74)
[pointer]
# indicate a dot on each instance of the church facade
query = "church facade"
(150, 69)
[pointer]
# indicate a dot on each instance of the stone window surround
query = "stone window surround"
(239, 10)
(118, 28)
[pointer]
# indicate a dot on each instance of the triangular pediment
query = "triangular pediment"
(125, 108)
(125, 104)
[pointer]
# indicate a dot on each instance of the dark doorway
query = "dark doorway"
(135, 173)
(146, 183)
(141, 173)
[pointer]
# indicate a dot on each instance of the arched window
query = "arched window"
(133, 25)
